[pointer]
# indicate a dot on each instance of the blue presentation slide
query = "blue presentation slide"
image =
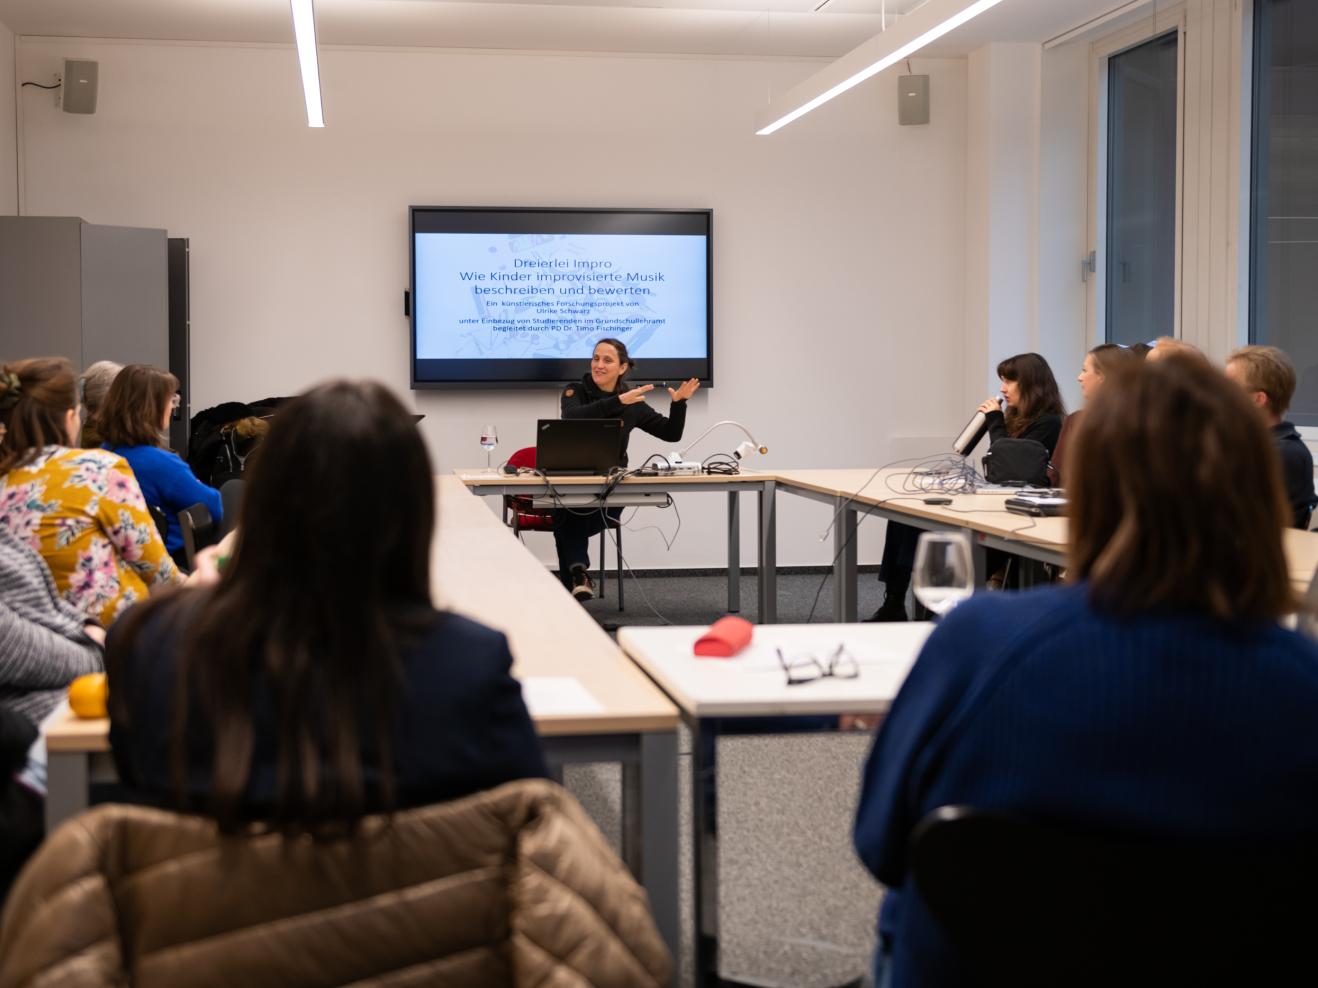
(523, 296)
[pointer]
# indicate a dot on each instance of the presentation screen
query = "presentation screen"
(520, 296)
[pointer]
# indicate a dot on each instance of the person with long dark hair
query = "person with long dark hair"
(133, 422)
(314, 682)
(1155, 695)
(605, 393)
(1033, 411)
(1034, 408)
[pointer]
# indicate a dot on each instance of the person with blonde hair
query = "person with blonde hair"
(1169, 346)
(1156, 696)
(93, 386)
(81, 509)
(1268, 378)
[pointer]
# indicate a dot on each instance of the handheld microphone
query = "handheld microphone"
(972, 433)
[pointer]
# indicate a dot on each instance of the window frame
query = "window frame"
(1161, 23)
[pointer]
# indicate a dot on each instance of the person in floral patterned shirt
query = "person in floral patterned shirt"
(81, 509)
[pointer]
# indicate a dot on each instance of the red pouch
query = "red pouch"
(725, 637)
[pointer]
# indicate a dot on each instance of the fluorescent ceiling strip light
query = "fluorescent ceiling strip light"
(304, 30)
(874, 60)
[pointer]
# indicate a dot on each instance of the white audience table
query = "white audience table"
(589, 703)
(749, 694)
(493, 483)
(854, 493)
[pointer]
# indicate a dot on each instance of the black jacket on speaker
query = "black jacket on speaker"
(585, 400)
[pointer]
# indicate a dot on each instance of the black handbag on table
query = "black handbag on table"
(1017, 461)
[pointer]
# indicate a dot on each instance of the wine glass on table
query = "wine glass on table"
(944, 571)
(489, 440)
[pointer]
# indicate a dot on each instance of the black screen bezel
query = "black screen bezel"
(550, 372)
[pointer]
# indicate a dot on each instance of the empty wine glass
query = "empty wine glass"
(944, 570)
(489, 440)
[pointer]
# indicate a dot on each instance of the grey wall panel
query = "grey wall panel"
(125, 293)
(40, 300)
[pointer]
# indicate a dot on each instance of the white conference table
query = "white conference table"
(982, 517)
(491, 482)
(749, 694)
(589, 703)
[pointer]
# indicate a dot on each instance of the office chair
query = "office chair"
(521, 515)
(1032, 904)
(161, 519)
(231, 500)
(198, 531)
(513, 886)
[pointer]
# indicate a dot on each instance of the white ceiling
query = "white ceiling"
(712, 27)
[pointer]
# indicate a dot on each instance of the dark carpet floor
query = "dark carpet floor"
(684, 598)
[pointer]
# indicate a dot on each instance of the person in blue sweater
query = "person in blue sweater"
(1154, 695)
(133, 423)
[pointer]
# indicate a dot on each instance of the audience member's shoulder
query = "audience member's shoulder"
(453, 628)
(1296, 647)
(162, 622)
(992, 622)
(98, 459)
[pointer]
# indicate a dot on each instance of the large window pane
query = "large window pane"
(1284, 269)
(1141, 191)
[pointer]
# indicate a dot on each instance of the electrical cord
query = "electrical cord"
(636, 580)
(943, 474)
(615, 477)
(721, 465)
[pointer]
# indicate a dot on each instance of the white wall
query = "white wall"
(8, 126)
(1002, 206)
(838, 242)
(1063, 213)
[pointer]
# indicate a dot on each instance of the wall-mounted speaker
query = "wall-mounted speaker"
(912, 100)
(79, 90)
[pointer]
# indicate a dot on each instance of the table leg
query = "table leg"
(655, 802)
(66, 786)
(734, 552)
(844, 563)
(768, 554)
(979, 555)
(704, 847)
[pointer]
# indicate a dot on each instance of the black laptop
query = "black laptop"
(588, 447)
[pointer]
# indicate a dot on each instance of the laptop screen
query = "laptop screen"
(578, 446)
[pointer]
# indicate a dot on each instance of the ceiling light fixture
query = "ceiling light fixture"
(926, 24)
(304, 30)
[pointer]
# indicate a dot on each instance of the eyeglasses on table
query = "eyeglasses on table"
(806, 667)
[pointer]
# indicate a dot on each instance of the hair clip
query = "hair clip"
(13, 390)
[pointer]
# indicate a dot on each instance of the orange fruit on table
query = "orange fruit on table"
(88, 695)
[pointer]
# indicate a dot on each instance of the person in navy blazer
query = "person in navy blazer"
(312, 682)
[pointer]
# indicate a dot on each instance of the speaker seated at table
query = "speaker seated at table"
(521, 515)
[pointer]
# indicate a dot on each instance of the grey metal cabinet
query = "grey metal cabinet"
(83, 291)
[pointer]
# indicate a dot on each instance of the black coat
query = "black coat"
(1296, 471)
(586, 401)
(460, 724)
(1045, 429)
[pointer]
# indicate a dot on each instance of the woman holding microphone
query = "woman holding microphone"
(605, 393)
(1033, 410)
